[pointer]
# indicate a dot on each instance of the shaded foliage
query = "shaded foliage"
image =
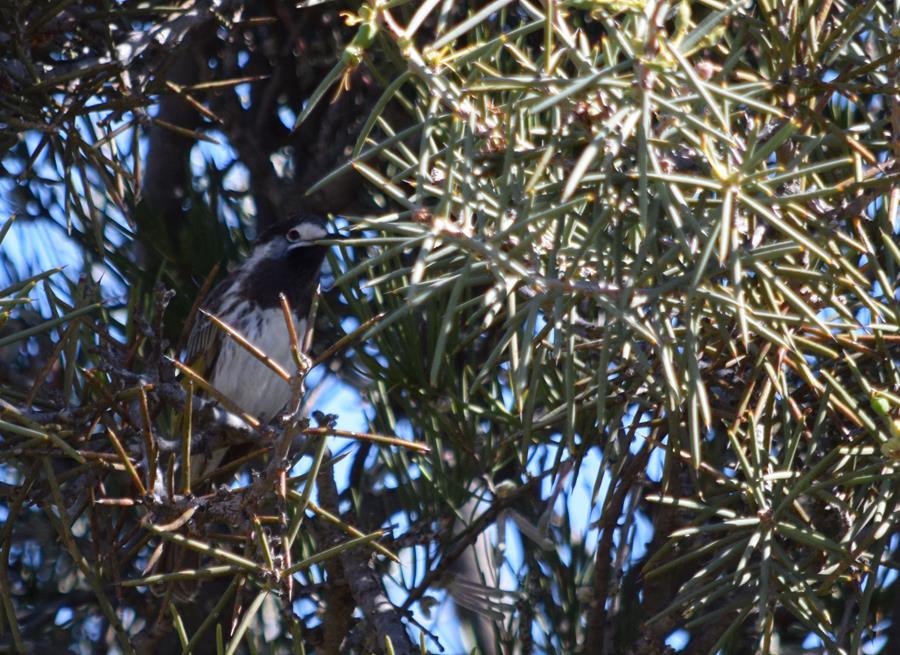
(627, 269)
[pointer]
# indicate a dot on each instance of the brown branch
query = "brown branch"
(596, 630)
(383, 620)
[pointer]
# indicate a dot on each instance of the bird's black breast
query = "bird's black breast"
(295, 275)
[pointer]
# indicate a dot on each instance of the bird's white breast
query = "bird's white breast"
(252, 385)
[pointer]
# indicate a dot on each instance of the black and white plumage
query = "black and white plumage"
(286, 258)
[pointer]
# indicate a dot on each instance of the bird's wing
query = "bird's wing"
(203, 346)
(205, 339)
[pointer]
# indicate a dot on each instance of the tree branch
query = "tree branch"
(382, 618)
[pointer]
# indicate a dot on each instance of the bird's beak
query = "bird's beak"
(326, 240)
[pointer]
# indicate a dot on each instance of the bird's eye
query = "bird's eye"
(293, 235)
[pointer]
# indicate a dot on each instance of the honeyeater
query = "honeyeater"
(286, 258)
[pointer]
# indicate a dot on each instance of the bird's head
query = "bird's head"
(293, 236)
(286, 257)
(296, 242)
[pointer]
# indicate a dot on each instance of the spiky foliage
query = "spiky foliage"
(633, 281)
(658, 232)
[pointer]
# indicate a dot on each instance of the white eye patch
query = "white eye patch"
(305, 232)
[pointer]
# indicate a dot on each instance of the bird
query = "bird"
(285, 259)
